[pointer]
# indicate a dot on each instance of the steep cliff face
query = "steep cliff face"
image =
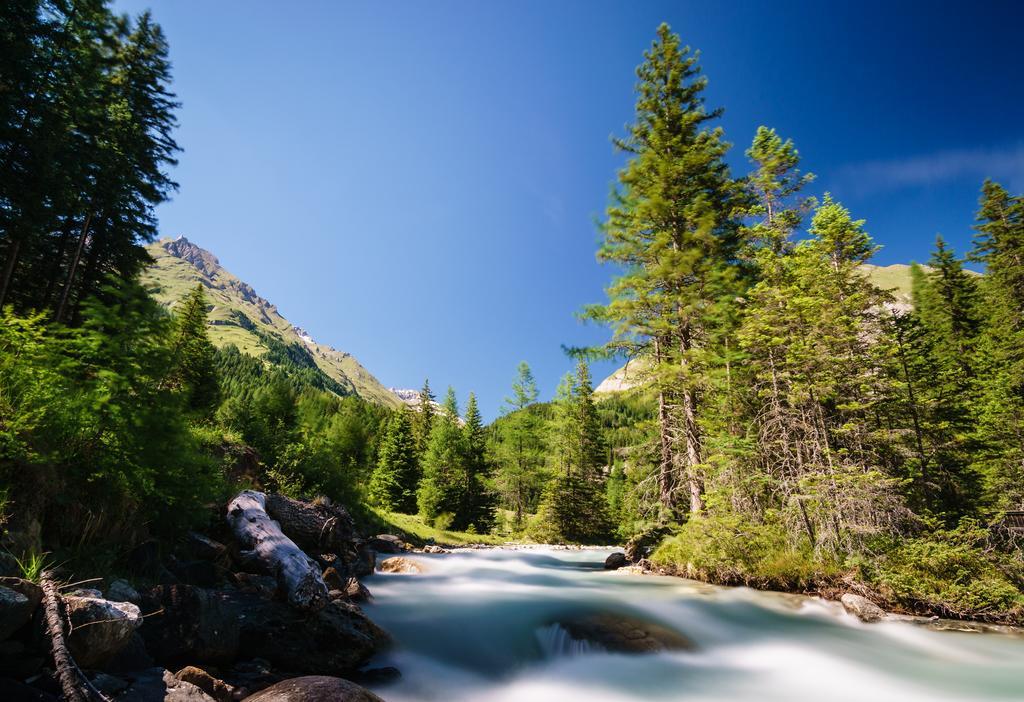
(240, 316)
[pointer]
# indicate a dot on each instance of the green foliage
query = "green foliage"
(393, 484)
(728, 548)
(955, 573)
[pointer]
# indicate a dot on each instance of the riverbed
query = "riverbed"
(476, 625)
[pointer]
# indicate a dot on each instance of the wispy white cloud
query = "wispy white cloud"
(1005, 165)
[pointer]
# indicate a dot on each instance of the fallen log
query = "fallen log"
(265, 545)
(73, 683)
(322, 527)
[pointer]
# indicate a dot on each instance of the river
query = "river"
(476, 626)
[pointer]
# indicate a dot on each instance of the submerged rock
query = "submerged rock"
(615, 561)
(621, 633)
(400, 564)
(315, 688)
(862, 608)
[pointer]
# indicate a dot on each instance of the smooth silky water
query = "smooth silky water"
(477, 625)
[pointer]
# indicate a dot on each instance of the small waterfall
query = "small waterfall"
(556, 642)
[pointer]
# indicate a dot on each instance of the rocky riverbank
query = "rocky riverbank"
(218, 618)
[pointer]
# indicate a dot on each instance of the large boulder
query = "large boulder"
(315, 688)
(192, 625)
(99, 628)
(615, 561)
(621, 633)
(15, 611)
(862, 608)
(122, 591)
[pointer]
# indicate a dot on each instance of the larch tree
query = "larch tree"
(673, 228)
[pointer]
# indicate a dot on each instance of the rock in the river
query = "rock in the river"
(315, 688)
(400, 564)
(15, 611)
(386, 543)
(159, 685)
(356, 591)
(99, 628)
(615, 561)
(122, 591)
(334, 579)
(862, 608)
(208, 626)
(620, 633)
(433, 548)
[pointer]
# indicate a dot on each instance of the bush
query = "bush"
(729, 550)
(951, 573)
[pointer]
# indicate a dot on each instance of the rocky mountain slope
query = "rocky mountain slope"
(241, 317)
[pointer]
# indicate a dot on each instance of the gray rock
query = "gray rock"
(862, 608)
(315, 688)
(15, 611)
(431, 548)
(621, 633)
(615, 561)
(99, 628)
(122, 591)
(159, 685)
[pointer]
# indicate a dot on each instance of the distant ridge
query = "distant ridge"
(239, 315)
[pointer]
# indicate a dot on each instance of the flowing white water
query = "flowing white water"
(477, 626)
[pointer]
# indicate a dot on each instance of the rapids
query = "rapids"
(476, 626)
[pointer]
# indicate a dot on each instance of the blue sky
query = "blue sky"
(417, 182)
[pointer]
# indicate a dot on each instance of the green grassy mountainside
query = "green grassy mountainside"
(241, 317)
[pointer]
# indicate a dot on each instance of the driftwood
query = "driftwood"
(265, 544)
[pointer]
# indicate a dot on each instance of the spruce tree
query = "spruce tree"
(519, 448)
(477, 513)
(193, 365)
(424, 420)
(999, 246)
(395, 479)
(442, 491)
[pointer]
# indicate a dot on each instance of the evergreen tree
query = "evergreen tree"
(574, 507)
(999, 245)
(672, 227)
(395, 479)
(519, 448)
(193, 366)
(423, 422)
(477, 512)
(442, 491)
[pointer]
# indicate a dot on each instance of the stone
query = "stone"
(18, 661)
(15, 611)
(191, 625)
(400, 564)
(122, 591)
(615, 561)
(314, 688)
(110, 685)
(132, 657)
(356, 591)
(334, 579)
(431, 548)
(862, 608)
(386, 543)
(159, 685)
(621, 633)
(99, 628)
(215, 688)
(205, 548)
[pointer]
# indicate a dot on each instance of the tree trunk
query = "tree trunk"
(74, 265)
(70, 683)
(297, 574)
(666, 467)
(12, 260)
